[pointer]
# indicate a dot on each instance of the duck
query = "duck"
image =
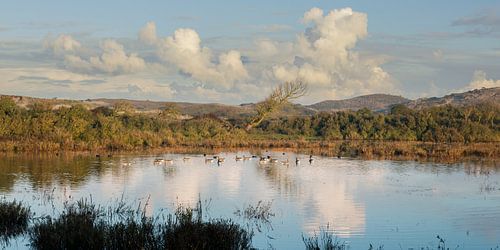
(238, 158)
(186, 159)
(273, 160)
(246, 158)
(169, 161)
(220, 159)
(209, 160)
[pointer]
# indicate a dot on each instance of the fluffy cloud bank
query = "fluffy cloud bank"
(112, 60)
(323, 56)
(184, 50)
(479, 80)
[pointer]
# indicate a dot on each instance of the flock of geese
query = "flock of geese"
(219, 160)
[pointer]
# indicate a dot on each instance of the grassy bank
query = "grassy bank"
(376, 150)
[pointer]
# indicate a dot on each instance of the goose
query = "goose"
(127, 164)
(158, 161)
(263, 160)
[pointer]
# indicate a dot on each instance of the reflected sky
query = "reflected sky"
(380, 202)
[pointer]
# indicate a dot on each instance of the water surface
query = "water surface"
(384, 203)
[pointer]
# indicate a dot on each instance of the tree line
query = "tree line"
(41, 127)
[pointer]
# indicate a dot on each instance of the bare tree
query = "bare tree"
(280, 96)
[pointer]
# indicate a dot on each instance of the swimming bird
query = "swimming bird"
(297, 161)
(209, 160)
(169, 161)
(311, 159)
(237, 158)
(127, 164)
(263, 160)
(286, 163)
(273, 160)
(186, 159)
(159, 161)
(246, 158)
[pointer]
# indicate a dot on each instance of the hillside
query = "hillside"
(472, 97)
(375, 102)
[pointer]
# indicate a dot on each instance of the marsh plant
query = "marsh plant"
(84, 225)
(14, 219)
(325, 240)
(258, 215)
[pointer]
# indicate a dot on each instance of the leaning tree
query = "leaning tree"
(280, 96)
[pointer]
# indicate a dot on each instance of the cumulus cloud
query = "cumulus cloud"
(184, 50)
(323, 56)
(63, 44)
(112, 60)
(479, 80)
(147, 34)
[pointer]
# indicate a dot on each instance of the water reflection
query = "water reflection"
(381, 202)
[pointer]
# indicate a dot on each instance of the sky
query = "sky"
(236, 51)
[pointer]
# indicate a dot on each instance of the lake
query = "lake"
(395, 204)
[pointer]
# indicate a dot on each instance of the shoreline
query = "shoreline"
(357, 149)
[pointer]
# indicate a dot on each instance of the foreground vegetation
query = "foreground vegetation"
(85, 225)
(14, 218)
(40, 127)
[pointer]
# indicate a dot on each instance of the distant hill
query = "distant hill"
(375, 102)
(472, 97)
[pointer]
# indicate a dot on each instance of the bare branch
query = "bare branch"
(280, 96)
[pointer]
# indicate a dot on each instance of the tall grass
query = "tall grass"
(14, 219)
(86, 226)
(324, 241)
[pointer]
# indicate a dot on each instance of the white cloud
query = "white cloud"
(63, 44)
(479, 80)
(147, 34)
(323, 57)
(112, 60)
(184, 50)
(115, 60)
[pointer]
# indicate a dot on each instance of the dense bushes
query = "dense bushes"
(76, 128)
(437, 124)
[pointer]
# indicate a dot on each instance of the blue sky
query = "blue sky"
(409, 48)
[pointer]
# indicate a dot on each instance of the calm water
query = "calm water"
(394, 204)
